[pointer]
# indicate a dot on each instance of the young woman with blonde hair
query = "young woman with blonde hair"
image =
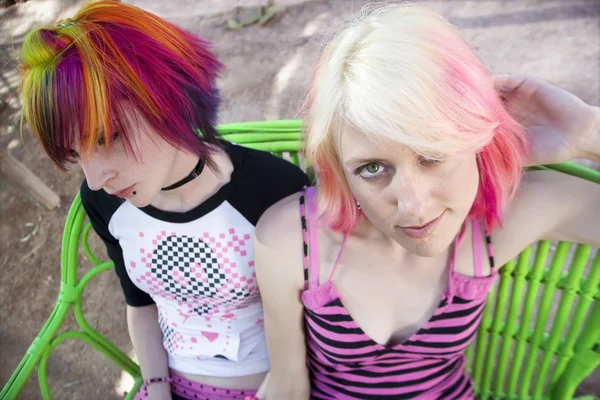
(374, 282)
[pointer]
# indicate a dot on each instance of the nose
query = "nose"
(411, 194)
(96, 172)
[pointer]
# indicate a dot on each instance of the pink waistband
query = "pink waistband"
(193, 390)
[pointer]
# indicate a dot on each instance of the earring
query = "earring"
(358, 204)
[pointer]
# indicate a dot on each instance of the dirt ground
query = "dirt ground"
(268, 73)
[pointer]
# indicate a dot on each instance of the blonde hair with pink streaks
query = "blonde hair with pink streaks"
(404, 73)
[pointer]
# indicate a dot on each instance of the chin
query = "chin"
(144, 197)
(432, 245)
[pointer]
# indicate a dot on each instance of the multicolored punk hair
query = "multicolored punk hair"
(79, 77)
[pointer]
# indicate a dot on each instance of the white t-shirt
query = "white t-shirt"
(198, 266)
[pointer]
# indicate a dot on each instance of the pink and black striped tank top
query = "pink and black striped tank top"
(345, 363)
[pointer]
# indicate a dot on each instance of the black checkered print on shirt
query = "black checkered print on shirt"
(179, 255)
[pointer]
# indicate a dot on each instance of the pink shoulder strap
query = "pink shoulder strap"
(337, 259)
(477, 247)
(457, 240)
(313, 237)
(304, 236)
(310, 233)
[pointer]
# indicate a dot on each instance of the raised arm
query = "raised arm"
(279, 269)
(549, 205)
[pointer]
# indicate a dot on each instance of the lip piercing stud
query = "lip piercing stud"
(103, 172)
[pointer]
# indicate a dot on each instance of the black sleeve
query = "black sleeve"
(100, 207)
(285, 179)
(266, 179)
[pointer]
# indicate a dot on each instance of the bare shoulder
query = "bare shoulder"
(278, 250)
(280, 223)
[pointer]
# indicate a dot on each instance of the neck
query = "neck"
(198, 168)
(197, 190)
(366, 230)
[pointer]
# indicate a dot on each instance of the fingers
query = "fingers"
(507, 82)
(509, 86)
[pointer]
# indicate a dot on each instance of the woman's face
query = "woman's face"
(137, 174)
(419, 203)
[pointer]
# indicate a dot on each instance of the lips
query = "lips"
(421, 232)
(125, 192)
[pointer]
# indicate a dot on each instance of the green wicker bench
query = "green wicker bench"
(513, 356)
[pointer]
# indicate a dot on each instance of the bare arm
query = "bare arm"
(147, 338)
(278, 258)
(549, 205)
(579, 220)
(591, 143)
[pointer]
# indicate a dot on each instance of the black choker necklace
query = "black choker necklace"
(195, 172)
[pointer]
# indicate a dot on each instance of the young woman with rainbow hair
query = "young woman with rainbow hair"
(374, 282)
(133, 100)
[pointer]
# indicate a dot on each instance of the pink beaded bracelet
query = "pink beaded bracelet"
(156, 380)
